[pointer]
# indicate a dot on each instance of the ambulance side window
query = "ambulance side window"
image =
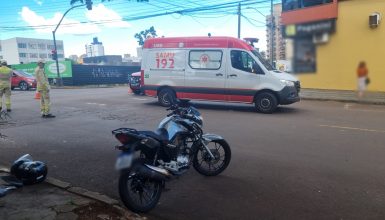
(243, 61)
(205, 59)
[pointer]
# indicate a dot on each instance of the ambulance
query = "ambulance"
(224, 69)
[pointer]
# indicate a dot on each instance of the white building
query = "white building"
(139, 52)
(278, 45)
(95, 49)
(26, 50)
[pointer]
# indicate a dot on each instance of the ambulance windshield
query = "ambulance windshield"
(263, 61)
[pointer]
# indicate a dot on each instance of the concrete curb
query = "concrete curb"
(88, 194)
(371, 97)
(344, 100)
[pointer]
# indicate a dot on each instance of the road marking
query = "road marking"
(92, 103)
(348, 107)
(364, 110)
(351, 128)
(140, 99)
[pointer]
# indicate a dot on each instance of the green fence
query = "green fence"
(65, 68)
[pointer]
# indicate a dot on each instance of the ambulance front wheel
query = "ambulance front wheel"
(266, 102)
(166, 97)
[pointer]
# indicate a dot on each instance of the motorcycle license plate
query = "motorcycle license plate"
(124, 161)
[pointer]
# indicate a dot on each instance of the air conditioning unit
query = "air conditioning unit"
(374, 20)
(320, 38)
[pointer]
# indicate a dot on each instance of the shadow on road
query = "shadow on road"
(233, 107)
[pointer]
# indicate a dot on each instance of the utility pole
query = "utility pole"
(271, 32)
(239, 20)
(89, 7)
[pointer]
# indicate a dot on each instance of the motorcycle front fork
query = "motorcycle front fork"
(207, 148)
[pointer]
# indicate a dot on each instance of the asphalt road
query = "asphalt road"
(310, 160)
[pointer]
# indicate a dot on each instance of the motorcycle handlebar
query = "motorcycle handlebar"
(176, 110)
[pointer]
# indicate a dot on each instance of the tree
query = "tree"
(143, 35)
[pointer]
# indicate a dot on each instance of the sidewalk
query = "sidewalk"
(343, 95)
(56, 200)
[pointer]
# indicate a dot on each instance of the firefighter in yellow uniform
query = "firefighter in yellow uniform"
(43, 87)
(5, 85)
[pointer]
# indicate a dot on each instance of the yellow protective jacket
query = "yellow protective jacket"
(5, 76)
(42, 80)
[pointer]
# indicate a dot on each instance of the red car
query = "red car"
(23, 80)
(135, 83)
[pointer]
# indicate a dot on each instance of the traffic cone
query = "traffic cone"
(37, 95)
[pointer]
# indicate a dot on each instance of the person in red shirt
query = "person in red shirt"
(362, 74)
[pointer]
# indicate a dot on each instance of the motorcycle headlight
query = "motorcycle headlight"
(287, 82)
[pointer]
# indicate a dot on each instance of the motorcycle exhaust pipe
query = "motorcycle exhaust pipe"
(152, 172)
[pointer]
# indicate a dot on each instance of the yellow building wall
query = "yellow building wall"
(353, 41)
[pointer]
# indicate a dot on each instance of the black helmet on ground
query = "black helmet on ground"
(29, 171)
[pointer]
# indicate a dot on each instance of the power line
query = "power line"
(250, 22)
(142, 10)
(181, 12)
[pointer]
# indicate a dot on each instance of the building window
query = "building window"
(42, 56)
(50, 47)
(288, 5)
(41, 46)
(33, 55)
(22, 55)
(304, 56)
(309, 3)
(59, 47)
(0, 48)
(60, 56)
(32, 46)
(205, 59)
(1, 57)
(22, 45)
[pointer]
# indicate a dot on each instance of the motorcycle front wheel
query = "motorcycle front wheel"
(139, 194)
(208, 166)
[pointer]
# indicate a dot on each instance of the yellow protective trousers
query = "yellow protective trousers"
(5, 90)
(45, 102)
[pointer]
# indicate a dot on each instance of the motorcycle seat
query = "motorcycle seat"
(161, 134)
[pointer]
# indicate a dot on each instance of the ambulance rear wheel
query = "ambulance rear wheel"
(166, 97)
(266, 102)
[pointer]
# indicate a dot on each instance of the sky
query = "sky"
(115, 22)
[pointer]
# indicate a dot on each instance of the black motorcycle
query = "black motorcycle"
(148, 159)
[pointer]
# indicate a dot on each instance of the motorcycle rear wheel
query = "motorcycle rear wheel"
(139, 194)
(207, 166)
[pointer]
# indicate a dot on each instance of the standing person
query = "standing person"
(362, 74)
(43, 87)
(5, 85)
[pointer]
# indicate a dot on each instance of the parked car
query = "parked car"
(23, 80)
(135, 82)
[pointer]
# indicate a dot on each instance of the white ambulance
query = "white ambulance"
(213, 69)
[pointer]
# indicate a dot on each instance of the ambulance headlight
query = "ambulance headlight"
(287, 82)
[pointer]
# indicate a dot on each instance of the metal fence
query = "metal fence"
(100, 75)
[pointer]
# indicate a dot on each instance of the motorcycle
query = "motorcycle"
(148, 159)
